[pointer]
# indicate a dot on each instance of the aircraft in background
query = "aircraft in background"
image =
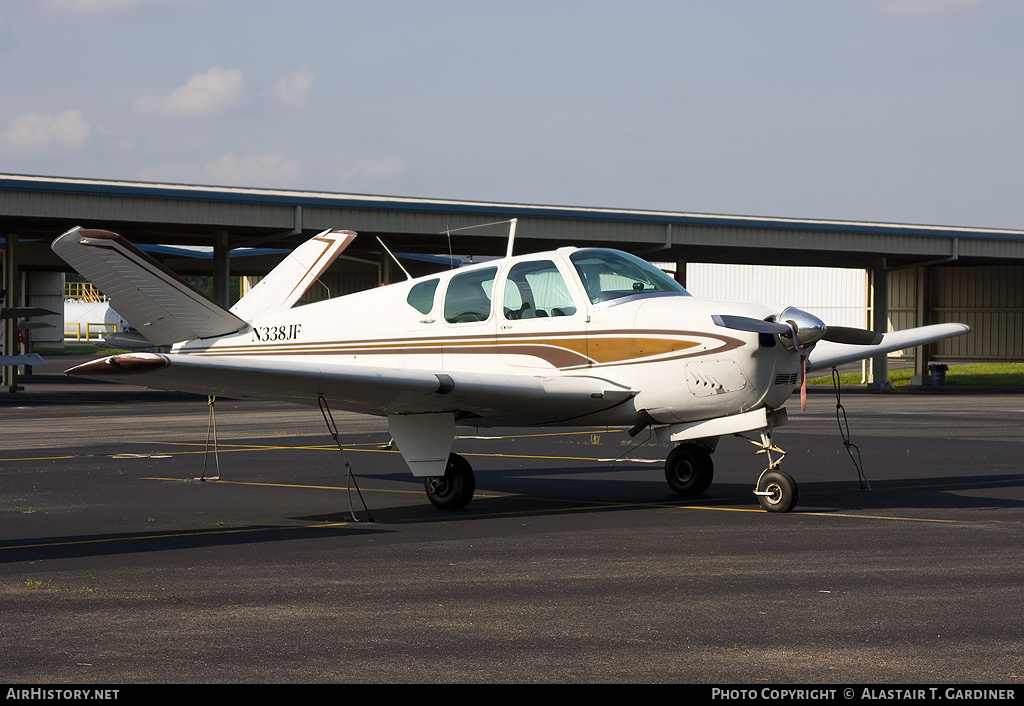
(572, 337)
(22, 313)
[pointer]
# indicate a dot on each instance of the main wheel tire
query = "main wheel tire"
(689, 470)
(455, 488)
(777, 491)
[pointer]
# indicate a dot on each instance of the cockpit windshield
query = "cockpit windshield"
(611, 274)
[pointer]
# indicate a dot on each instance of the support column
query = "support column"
(13, 287)
(681, 272)
(922, 276)
(221, 269)
(384, 269)
(880, 323)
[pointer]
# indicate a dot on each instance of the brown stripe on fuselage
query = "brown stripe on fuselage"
(561, 351)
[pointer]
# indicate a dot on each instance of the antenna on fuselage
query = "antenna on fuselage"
(451, 258)
(407, 275)
(511, 236)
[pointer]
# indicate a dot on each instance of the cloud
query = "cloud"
(273, 170)
(269, 170)
(37, 134)
(375, 169)
(205, 95)
(292, 91)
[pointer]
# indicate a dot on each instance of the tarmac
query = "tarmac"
(573, 564)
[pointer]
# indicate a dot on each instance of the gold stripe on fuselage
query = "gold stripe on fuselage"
(562, 351)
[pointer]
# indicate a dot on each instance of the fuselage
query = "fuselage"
(582, 313)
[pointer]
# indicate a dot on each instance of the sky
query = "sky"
(905, 111)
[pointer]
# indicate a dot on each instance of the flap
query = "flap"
(491, 398)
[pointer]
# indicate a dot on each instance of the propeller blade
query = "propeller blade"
(745, 323)
(853, 336)
(809, 328)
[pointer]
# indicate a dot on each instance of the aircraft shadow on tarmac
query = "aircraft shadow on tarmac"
(528, 492)
(944, 492)
(77, 546)
(522, 497)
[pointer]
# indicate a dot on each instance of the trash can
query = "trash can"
(937, 372)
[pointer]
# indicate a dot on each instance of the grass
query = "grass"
(967, 375)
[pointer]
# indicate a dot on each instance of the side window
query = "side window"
(469, 296)
(535, 290)
(421, 296)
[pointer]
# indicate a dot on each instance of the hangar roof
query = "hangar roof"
(41, 208)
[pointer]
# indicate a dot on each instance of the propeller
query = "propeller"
(745, 323)
(852, 336)
(809, 329)
(799, 331)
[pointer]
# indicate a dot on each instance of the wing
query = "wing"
(18, 312)
(27, 359)
(491, 398)
(827, 353)
(155, 301)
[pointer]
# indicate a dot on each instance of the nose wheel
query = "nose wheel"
(776, 491)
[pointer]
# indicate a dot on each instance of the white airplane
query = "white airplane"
(574, 337)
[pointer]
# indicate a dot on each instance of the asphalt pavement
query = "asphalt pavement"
(573, 564)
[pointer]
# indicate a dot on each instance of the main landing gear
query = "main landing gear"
(689, 472)
(455, 488)
(689, 469)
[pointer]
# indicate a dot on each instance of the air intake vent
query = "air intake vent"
(787, 378)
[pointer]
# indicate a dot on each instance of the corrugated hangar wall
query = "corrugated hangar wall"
(989, 299)
(973, 275)
(835, 295)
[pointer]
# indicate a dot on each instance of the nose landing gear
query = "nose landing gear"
(776, 490)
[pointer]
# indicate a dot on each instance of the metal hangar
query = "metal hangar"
(917, 274)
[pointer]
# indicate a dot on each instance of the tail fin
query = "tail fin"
(155, 301)
(289, 280)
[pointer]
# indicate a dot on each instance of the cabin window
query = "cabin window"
(535, 290)
(421, 296)
(610, 274)
(469, 296)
